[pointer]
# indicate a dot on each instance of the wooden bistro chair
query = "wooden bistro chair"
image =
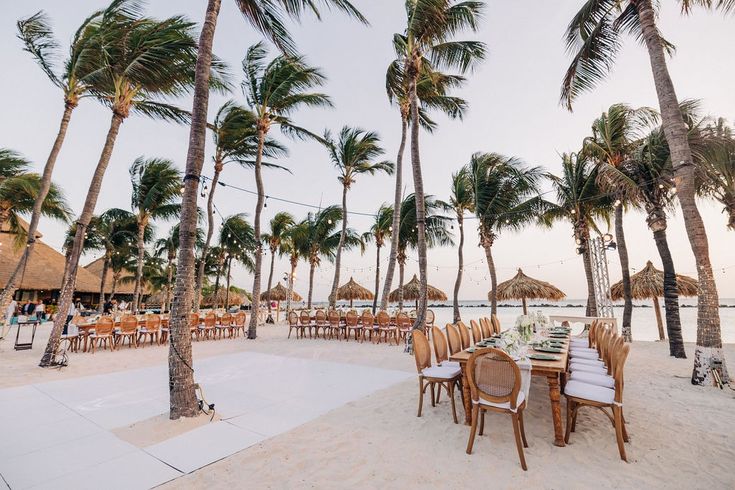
(453, 339)
(580, 394)
(321, 323)
(368, 325)
(430, 317)
(476, 332)
(224, 326)
(334, 322)
(194, 325)
(404, 326)
(103, 334)
(352, 321)
(464, 335)
(238, 323)
(151, 330)
(485, 327)
(210, 322)
(430, 376)
(128, 330)
(385, 329)
(495, 385)
(440, 348)
(305, 323)
(293, 324)
(495, 323)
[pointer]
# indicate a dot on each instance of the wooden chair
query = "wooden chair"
(476, 332)
(495, 323)
(305, 323)
(464, 335)
(430, 376)
(404, 326)
(495, 385)
(224, 326)
(440, 348)
(321, 323)
(580, 394)
(293, 324)
(238, 323)
(352, 321)
(453, 339)
(369, 329)
(103, 334)
(487, 330)
(128, 330)
(207, 328)
(430, 317)
(165, 321)
(334, 324)
(151, 330)
(385, 329)
(194, 325)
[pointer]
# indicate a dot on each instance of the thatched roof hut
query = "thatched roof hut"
(352, 291)
(280, 293)
(122, 287)
(524, 287)
(222, 298)
(411, 291)
(649, 283)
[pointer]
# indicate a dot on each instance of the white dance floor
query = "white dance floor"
(58, 434)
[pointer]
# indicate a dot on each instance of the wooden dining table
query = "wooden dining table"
(553, 371)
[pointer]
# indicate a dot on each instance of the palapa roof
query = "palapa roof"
(127, 287)
(522, 286)
(351, 291)
(411, 291)
(280, 293)
(219, 298)
(649, 283)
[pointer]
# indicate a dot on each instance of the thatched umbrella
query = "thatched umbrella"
(352, 291)
(524, 287)
(649, 283)
(411, 291)
(221, 296)
(279, 293)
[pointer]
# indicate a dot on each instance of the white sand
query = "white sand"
(682, 436)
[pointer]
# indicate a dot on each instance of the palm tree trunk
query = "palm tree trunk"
(169, 280)
(377, 278)
(103, 280)
(709, 336)
(270, 279)
(312, 266)
(460, 264)
(418, 185)
(139, 268)
(220, 266)
(671, 296)
(208, 240)
(624, 266)
(396, 217)
(659, 320)
(182, 396)
(67, 290)
(338, 258)
(252, 328)
(591, 309)
(115, 278)
(488, 246)
(290, 286)
(401, 278)
(11, 285)
(229, 275)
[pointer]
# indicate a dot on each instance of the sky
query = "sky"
(514, 110)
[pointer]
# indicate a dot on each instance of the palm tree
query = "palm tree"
(505, 193)
(235, 140)
(274, 90)
(614, 136)
(429, 31)
(280, 225)
(593, 36)
(168, 247)
(237, 244)
(379, 231)
(83, 61)
(267, 17)
(353, 155)
(154, 275)
(146, 59)
(437, 232)
(432, 91)
(156, 192)
(718, 168)
(461, 199)
(579, 201)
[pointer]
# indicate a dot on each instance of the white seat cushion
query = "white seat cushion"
(592, 355)
(581, 341)
(587, 369)
(575, 348)
(588, 391)
(593, 378)
(443, 372)
(506, 405)
(589, 362)
(451, 364)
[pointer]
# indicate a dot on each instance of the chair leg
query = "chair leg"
(421, 396)
(450, 390)
(523, 429)
(433, 395)
(625, 431)
(617, 413)
(570, 409)
(473, 428)
(519, 444)
(482, 422)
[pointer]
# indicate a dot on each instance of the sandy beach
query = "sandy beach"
(680, 434)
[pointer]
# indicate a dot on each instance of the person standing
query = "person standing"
(41, 311)
(70, 314)
(10, 313)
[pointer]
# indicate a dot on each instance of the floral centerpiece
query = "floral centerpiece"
(512, 342)
(524, 327)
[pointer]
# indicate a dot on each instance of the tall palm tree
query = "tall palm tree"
(579, 201)
(593, 36)
(505, 193)
(236, 141)
(156, 192)
(72, 79)
(267, 17)
(432, 91)
(613, 139)
(274, 90)
(461, 199)
(437, 232)
(429, 31)
(147, 60)
(718, 168)
(280, 225)
(237, 244)
(353, 154)
(168, 248)
(379, 231)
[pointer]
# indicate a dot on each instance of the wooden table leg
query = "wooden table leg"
(555, 396)
(466, 397)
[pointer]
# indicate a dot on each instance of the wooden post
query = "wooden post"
(525, 309)
(659, 321)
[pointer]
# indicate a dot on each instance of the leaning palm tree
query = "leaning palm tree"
(579, 201)
(82, 63)
(147, 60)
(291, 247)
(236, 141)
(593, 36)
(274, 90)
(156, 192)
(267, 17)
(379, 231)
(353, 154)
(429, 31)
(237, 244)
(280, 225)
(614, 137)
(461, 199)
(506, 198)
